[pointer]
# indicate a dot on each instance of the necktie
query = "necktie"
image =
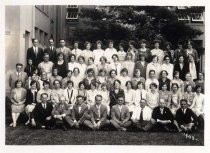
(51, 48)
(183, 111)
(18, 74)
(98, 109)
(36, 51)
(141, 115)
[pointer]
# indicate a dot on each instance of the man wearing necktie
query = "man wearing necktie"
(35, 53)
(98, 114)
(120, 115)
(41, 116)
(141, 116)
(185, 118)
(51, 50)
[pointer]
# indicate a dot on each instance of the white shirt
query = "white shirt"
(121, 55)
(169, 68)
(116, 66)
(140, 94)
(152, 99)
(79, 108)
(73, 65)
(70, 95)
(147, 113)
(91, 97)
(82, 68)
(148, 82)
(109, 52)
(76, 52)
(98, 53)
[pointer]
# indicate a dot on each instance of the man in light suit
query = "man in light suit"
(120, 115)
(35, 53)
(98, 115)
(51, 50)
(66, 51)
(79, 112)
(41, 116)
(17, 75)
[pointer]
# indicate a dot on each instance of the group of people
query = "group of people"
(146, 89)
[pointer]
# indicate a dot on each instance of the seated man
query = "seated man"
(79, 112)
(60, 113)
(41, 115)
(162, 119)
(98, 115)
(141, 115)
(185, 118)
(120, 115)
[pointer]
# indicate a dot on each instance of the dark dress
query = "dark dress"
(62, 69)
(167, 82)
(29, 69)
(114, 96)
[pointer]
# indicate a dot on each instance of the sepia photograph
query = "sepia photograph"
(104, 75)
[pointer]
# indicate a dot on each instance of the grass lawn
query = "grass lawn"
(23, 135)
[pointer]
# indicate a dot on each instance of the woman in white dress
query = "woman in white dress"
(82, 66)
(103, 65)
(198, 102)
(192, 67)
(124, 78)
(158, 52)
(56, 93)
(132, 49)
(115, 64)
(121, 53)
(137, 77)
(129, 64)
(178, 81)
(98, 52)
(105, 97)
(76, 77)
(46, 89)
(167, 66)
(154, 65)
(152, 96)
(141, 93)
(91, 65)
(129, 96)
(86, 53)
(102, 76)
(72, 64)
(91, 94)
(110, 51)
(189, 95)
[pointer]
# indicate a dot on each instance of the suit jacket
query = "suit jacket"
(29, 97)
(29, 69)
(118, 116)
(61, 109)
(52, 54)
(13, 77)
(36, 59)
(66, 51)
(177, 53)
(142, 68)
(167, 115)
(40, 114)
(94, 113)
(188, 117)
(79, 116)
(113, 96)
(183, 71)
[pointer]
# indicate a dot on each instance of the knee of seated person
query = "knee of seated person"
(153, 121)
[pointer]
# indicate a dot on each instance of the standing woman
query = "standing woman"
(168, 67)
(91, 65)
(152, 96)
(121, 53)
(129, 64)
(61, 65)
(72, 64)
(105, 96)
(103, 64)
(82, 66)
(132, 49)
(18, 98)
(174, 98)
(169, 52)
(130, 96)
(143, 51)
(76, 77)
(115, 64)
(91, 94)
(201, 81)
(158, 52)
(137, 77)
(178, 81)
(141, 93)
(191, 50)
(115, 93)
(192, 67)
(154, 65)
(98, 52)
(110, 51)
(189, 95)
(31, 100)
(42, 79)
(86, 53)
(102, 77)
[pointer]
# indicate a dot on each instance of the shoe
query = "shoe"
(27, 122)
(11, 125)
(43, 127)
(124, 129)
(14, 125)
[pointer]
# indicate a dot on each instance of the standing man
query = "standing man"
(65, 50)
(98, 113)
(141, 115)
(120, 115)
(41, 115)
(35, 53)
(17, 75)
(51, 50)
(76, 51)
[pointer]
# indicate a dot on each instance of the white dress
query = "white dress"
(124, 80)
(98, 53)
(130, 99)
(140, 94)
(152, 99)
(109, 52)
(153, 66)
(159, 53)
(129, 65)
(198, 103)
(169, 68)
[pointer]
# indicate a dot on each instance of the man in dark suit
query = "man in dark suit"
(51, 50)
(179, 51)
(41, 115)
(98, 115)
(141, 65)
(162, 119)
(79, 112)
(61, 113)
(181, 67)
(35, 53)
(186, 120)
(120, 115)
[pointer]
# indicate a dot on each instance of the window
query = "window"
(183, 17)
(197, 17)
(72, 6)
(72, 15)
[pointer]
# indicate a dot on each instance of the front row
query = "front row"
(143, 118)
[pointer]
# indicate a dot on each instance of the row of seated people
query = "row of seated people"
(143, 118)
(30, 98)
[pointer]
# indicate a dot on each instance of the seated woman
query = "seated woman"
(174, 98)
(91, 94)
(141, 93)
(34, 77)
(54, 76)
(115, 64)
(72, 64)
(152, 96)
(103, 64)
(111, 79)
(91, 65)
(189, 95)
(164, 94)
(18, 98)
(102, 77)
(129, 96)
(31, 100)
(90, 77)
(76, 77)
(46, 89)
(167, 66)
(61, 65)
(105, 96)
(124, 77)
(82, 66)
(129, 64)
(82, 91)
(188, 80)
(164, 80)
(200, 81)
(178, 81)
(70, 94)
(56, 93)
(154, 65)
(42, 79)
(137, 77)
(66, 79)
